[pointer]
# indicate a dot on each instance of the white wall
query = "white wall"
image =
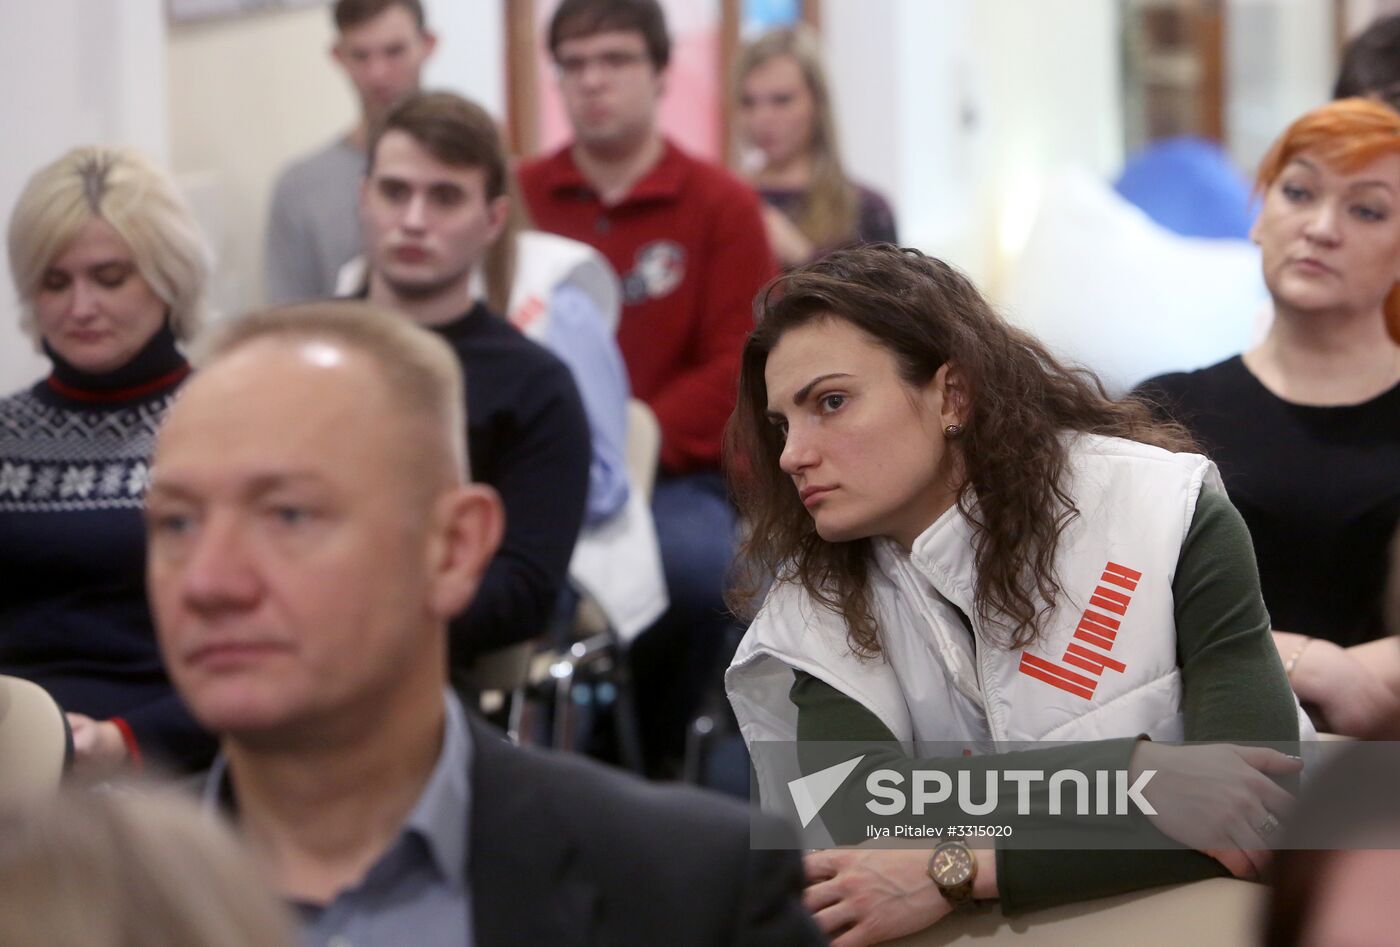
(960, 109)
(75, 72)
(246, 95)
(1052, 101)
(250, 93)
(865, 96)
(1280, 63)
(938, 82)
(470, 56)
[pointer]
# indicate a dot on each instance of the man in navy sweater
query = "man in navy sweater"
(431, 205)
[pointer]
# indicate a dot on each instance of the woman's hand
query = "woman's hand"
(790, 245)
(1352, 698)
(872, 895)
(98, 748)
(1217, 799)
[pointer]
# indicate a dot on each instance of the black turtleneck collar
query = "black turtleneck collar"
(158, 367)
(461, 327)
(456, 329)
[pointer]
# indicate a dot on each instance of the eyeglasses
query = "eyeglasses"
(610, 64)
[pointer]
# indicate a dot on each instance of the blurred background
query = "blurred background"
(1086, 161)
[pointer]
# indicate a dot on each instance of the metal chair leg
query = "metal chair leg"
(516, 715)
(563, 673)
(629, 742)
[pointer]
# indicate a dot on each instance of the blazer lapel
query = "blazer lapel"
(520, 861)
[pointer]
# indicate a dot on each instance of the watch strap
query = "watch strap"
(960, 894)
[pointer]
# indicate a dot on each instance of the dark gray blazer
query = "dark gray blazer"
(564, 851)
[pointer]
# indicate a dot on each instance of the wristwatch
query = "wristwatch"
(952, 868)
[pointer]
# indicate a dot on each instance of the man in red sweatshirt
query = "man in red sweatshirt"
(687, 240)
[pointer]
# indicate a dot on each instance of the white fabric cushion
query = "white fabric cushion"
(1107, 288)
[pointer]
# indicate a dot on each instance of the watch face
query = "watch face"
(952, 865)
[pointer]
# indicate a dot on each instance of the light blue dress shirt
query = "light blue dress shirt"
(577, 334)
(418, 890)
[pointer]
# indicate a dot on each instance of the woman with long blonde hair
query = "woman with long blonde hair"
(783, 105)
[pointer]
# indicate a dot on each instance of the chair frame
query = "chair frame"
(587, 650)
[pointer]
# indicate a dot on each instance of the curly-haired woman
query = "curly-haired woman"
(973, 545)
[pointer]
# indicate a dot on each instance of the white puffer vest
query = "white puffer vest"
(1104, 665)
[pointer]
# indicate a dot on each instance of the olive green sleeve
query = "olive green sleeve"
(1233, 689)
(1233, 682)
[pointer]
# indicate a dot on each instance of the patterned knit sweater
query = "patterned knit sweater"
(74, 454)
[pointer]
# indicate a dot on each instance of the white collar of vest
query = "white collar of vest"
(944, 554)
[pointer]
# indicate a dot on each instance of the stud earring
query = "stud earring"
(953, 431)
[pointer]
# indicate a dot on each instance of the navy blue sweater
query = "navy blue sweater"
(528, 437)
(74, 451)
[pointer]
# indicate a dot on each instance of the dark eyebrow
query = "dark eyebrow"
(802, 393)
(806, 389)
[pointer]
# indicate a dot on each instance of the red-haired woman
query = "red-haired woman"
(1306, 425)
(974, 546)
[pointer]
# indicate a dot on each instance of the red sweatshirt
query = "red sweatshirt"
(689, 245)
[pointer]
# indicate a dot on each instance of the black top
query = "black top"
(1319, 488)
(527, 437)
(74, 451)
